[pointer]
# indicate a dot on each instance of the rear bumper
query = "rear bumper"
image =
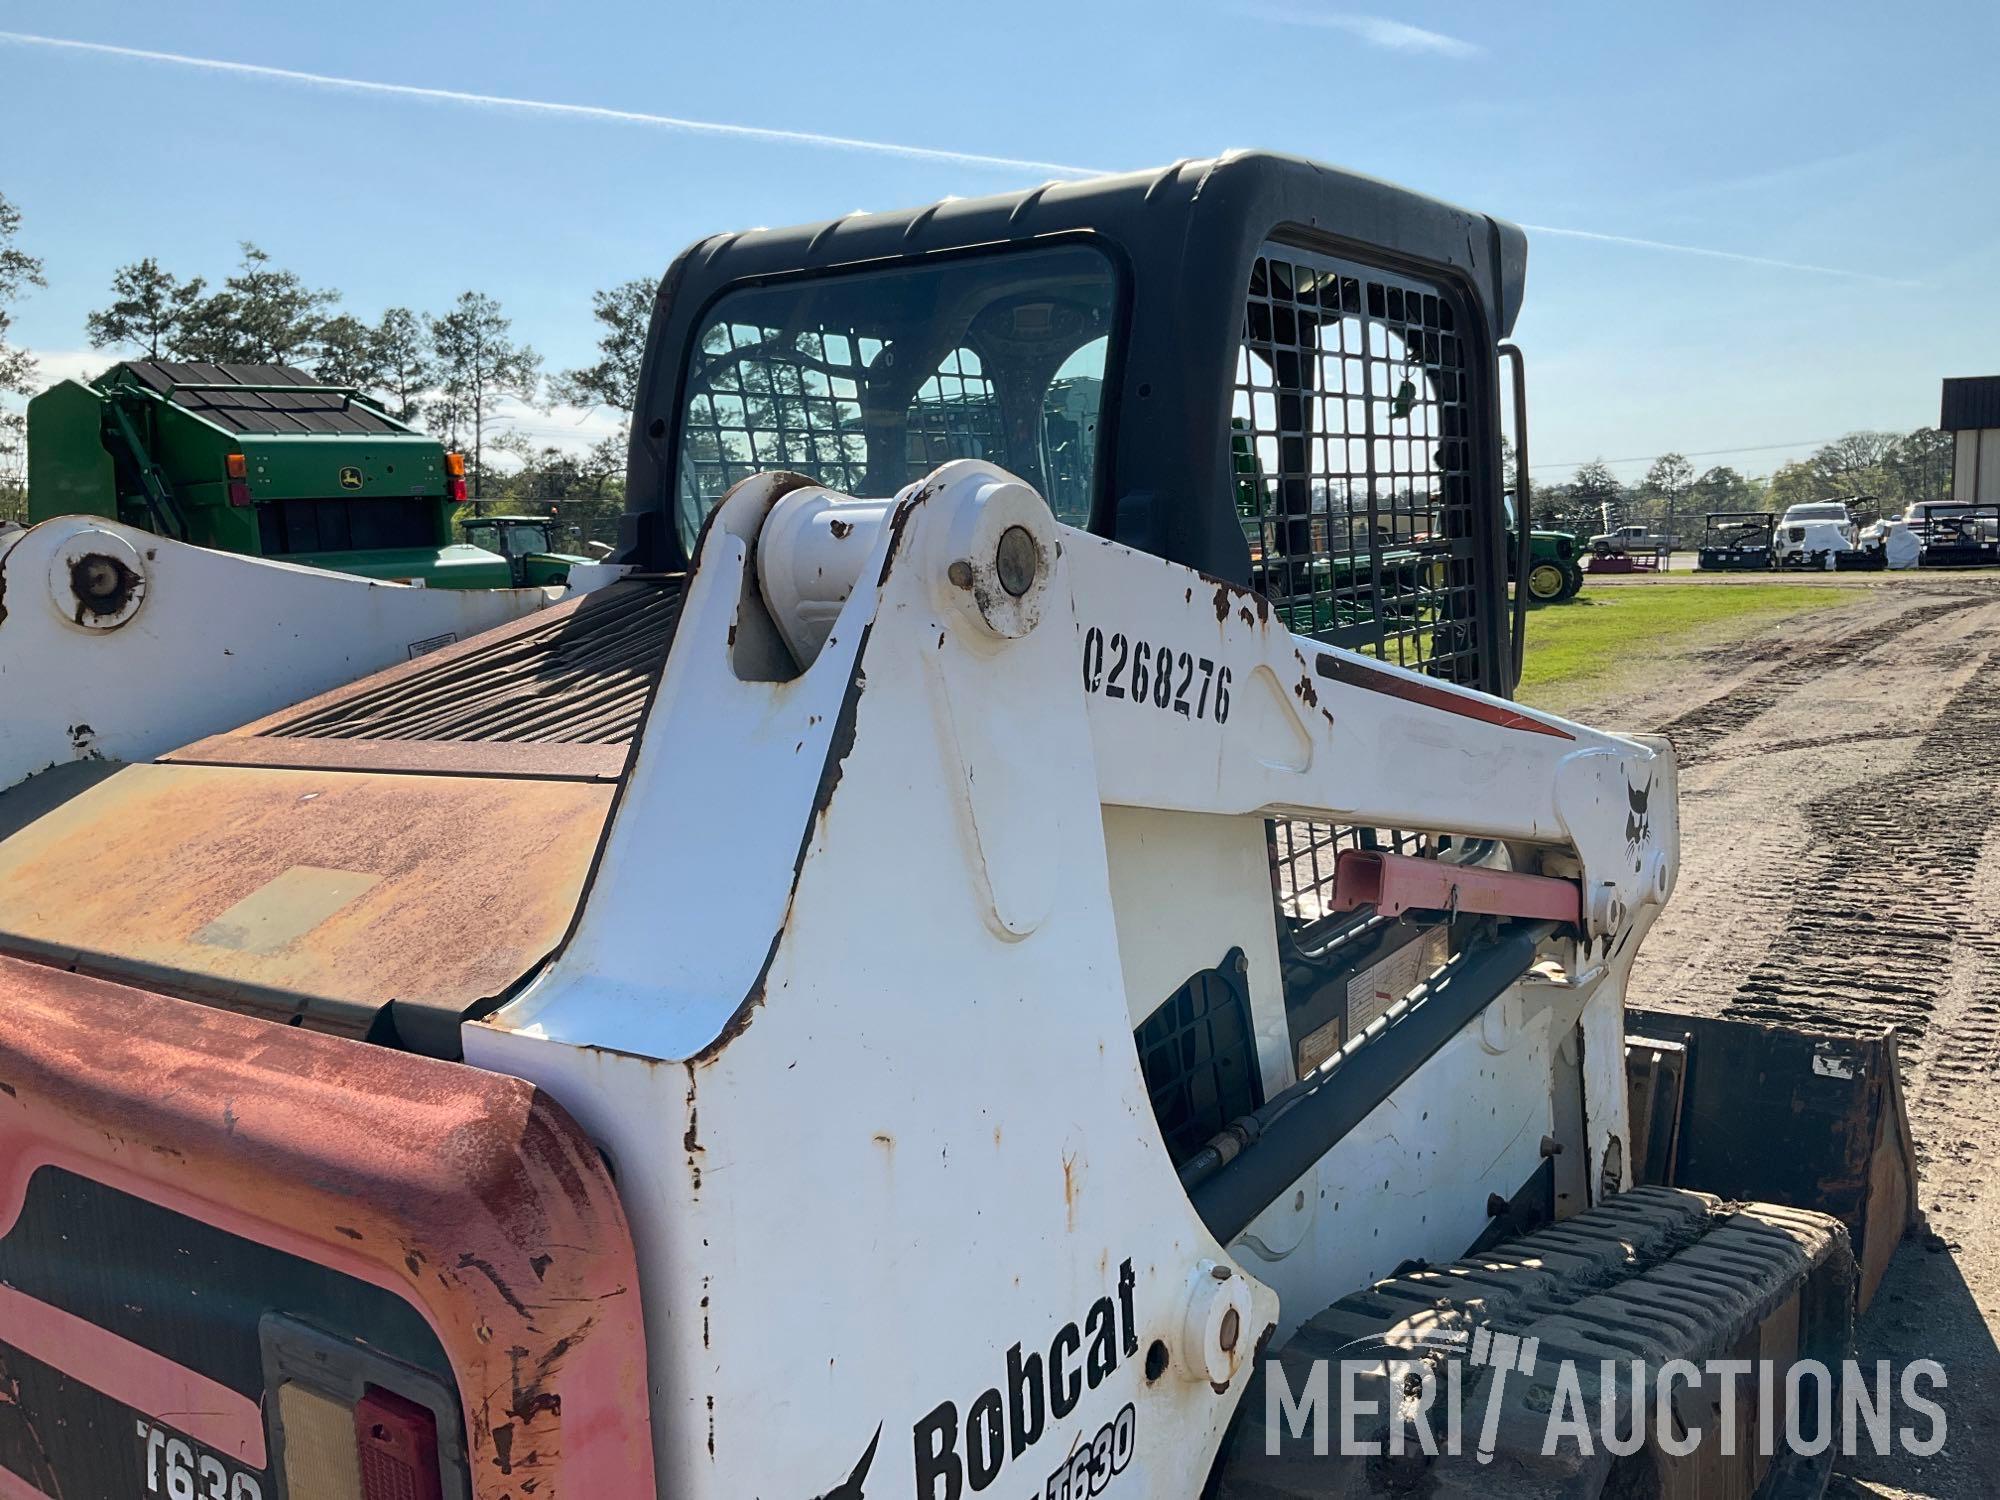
(176, 1180)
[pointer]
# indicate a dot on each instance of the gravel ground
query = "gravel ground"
(1841, 867)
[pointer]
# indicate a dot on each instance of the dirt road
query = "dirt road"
(1840, 805)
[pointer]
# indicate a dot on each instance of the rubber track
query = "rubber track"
(1654, 1274)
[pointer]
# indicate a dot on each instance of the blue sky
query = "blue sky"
(1853, 138)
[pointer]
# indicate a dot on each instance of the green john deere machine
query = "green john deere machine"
(1555, 566)
(256, 459)
(526, 543)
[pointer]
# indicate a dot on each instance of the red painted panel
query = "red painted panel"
(471, 1195)
(1434, 695)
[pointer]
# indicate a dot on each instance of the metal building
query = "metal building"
(1972, 413)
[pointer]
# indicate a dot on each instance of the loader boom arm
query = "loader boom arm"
(895, 883)
(1200, 700)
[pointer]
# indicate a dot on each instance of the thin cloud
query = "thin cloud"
(1374, 29)
(1377, 31)
(549, 107)
(1738, 256)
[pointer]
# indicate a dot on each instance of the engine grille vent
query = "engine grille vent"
(560, 693)
(578, 676)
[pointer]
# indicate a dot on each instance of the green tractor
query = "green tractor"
(262, 460)
(526, 542)
(1555, 569)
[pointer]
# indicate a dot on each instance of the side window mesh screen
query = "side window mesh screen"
(1352, 428)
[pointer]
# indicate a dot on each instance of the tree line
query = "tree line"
(450, 371)
(1875, 473)
(18, 372)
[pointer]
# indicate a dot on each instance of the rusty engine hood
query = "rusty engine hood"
(382, 861)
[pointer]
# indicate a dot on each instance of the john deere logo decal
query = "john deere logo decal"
(350, 478)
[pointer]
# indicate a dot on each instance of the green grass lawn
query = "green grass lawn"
(1604, 633)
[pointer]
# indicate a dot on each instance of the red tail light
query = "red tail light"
(239, 492)
(398, 1445)
(454, 489)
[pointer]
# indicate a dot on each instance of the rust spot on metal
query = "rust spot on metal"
(1221, 602)
(102, 584)
(841, 530)
(1308, 694)
(470, 1262)
(301, 892)
(348, 1230)
(690, 1138)
(1245, 616)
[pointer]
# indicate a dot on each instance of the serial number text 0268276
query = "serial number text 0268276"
(1155, 675)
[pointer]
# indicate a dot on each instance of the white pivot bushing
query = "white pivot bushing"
(1215, 1329)
(996, 554)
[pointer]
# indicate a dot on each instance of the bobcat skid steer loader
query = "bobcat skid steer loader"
(980, 991)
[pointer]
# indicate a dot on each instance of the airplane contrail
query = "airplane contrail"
(550, 107)
(806, 138)
(1735, 255)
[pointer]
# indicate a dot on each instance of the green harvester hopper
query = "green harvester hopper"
(257, 459)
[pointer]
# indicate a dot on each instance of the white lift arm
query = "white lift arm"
(850, 1001)
(1201, 700)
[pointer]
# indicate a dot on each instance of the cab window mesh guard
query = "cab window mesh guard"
(1352, 434)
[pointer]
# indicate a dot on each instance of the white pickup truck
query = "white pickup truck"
(1629, 539)
(1812, 533)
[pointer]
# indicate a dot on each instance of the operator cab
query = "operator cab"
(1208, 363)
(1284, 375)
